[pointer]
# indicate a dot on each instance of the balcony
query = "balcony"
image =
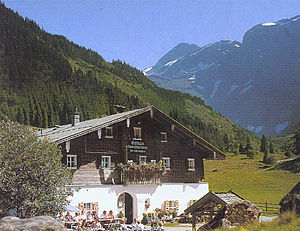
(132, 177)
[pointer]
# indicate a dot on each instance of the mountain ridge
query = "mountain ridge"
(253, 82)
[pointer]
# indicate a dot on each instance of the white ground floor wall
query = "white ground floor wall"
(107, 196)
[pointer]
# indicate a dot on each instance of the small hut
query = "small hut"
(291, 201)
(219, 205)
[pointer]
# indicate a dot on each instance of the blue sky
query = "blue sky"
(141, 31)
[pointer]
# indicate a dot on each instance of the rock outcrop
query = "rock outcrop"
(31, 224)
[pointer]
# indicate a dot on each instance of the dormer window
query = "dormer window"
(137, 133)
(163, 137)
(109, 132)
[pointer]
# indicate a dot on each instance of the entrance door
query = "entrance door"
(125, 205)
(128, 208)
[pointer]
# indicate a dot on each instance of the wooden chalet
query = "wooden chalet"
(93, 149)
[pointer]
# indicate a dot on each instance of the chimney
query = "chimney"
(76, 118)
(118, 109)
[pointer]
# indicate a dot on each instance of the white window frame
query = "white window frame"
(191, 164)
(142, 157)
(139, 130)
(166, 162)
(109, 162)
(88, 206)
(165, 137)
(69, 161)
(112, 132)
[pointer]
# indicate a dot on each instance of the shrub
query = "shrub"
(145, 219)
(251, 154)
(270, 160)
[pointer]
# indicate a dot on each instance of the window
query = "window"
(137, 133)
(109, 132)
(142, 159)
(163, 137)
(166, 162)
(106, 161)
(171, 205)
(71, 161)
(87, 206)
(191, 164)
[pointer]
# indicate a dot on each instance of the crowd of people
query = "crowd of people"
(106, 221)
(91, 220)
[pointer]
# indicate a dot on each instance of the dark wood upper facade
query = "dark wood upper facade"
(148, 136)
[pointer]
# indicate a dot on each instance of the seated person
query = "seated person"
(111, 215)
(68, 217)
(104, 215)
(89, 216)
(133, 224)
(160, 226)
(62, 218)
(96, 225)
(139, 226)
(95, 215)
(123, 225)
(82, 216)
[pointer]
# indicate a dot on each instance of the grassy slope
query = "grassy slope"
(249, 178)
(287, 222)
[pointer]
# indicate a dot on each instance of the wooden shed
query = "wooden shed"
(213, 204)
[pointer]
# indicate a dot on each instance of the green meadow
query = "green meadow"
(250, 178)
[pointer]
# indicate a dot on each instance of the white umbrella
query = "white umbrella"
(72, 208)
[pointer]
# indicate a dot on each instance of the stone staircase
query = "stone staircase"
(87, 174)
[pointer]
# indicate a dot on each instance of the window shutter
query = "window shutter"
(96, 206)
(78, 161)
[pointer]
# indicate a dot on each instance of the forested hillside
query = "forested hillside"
(44, 77)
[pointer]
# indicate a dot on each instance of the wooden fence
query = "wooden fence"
(268, 208)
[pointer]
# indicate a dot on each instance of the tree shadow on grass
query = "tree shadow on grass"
(293, 166)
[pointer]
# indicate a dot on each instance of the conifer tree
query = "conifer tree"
(265, 156)
(248, 145)
(271, 149)
(263, 144)
(297, 143)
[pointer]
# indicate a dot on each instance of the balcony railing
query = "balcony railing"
(132, 177)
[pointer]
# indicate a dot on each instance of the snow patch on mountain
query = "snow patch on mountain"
(200, 87)
(245, 89)
(232, 88)
(147, 70)
(171, 62)
(280, 127)
(202, 66)
(237, 45)
(258, 129)
(248, 82)
(255, 129)
(217, 83)
(269, 24)
(201, 49)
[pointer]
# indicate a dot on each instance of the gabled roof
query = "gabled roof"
(60, 134)
(222, 198)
